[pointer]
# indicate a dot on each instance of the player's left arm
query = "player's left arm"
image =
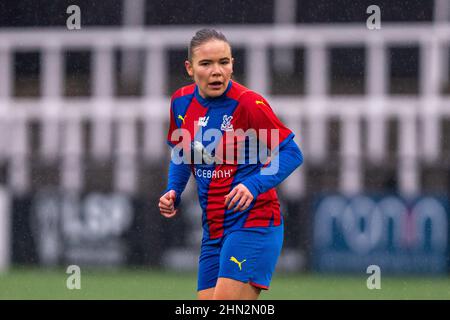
(282, 164)
(286, 156)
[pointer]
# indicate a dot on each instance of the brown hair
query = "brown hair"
(202, 36)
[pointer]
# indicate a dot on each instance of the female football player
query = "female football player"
(218, 128)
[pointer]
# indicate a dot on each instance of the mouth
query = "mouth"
(215, 85)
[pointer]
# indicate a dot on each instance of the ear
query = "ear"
(189, 69)
(232, 64)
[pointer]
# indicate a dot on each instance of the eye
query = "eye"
(204, 63)
(225, 62)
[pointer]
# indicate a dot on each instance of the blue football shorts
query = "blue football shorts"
(248, 255)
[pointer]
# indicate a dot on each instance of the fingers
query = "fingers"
(168, 202)
(240, 198)
(244, 203)
(167, 211)
(247, 204)
(168, 198)
(169, 215)
(235, 199)
(230, 196)
(240, 203)
(165, 205)
(172, 195)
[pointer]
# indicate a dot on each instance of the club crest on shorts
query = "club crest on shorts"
(226, 124)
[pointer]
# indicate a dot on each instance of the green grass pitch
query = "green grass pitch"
(20, 283)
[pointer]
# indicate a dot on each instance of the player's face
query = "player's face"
(211, 67)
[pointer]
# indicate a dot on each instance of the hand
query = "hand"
(167, 204)
(240, 196)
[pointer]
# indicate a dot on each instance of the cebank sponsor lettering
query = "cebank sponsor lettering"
(211, 173)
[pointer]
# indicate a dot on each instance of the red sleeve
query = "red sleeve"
(261, 118)
(172, 126)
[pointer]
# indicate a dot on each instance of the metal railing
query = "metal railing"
(61, 117)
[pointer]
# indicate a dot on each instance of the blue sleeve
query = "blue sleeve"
(285, 160)
(178, 178)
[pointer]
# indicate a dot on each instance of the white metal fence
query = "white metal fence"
(61, 117)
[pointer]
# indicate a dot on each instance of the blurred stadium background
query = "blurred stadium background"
(83, 159)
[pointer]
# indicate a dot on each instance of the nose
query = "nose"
(216, 69)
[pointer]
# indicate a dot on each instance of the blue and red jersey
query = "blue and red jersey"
(192, 119)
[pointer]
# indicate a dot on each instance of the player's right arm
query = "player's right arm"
(178, 175)
(177, 179)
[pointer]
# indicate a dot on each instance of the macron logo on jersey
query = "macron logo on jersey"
(226, 124)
